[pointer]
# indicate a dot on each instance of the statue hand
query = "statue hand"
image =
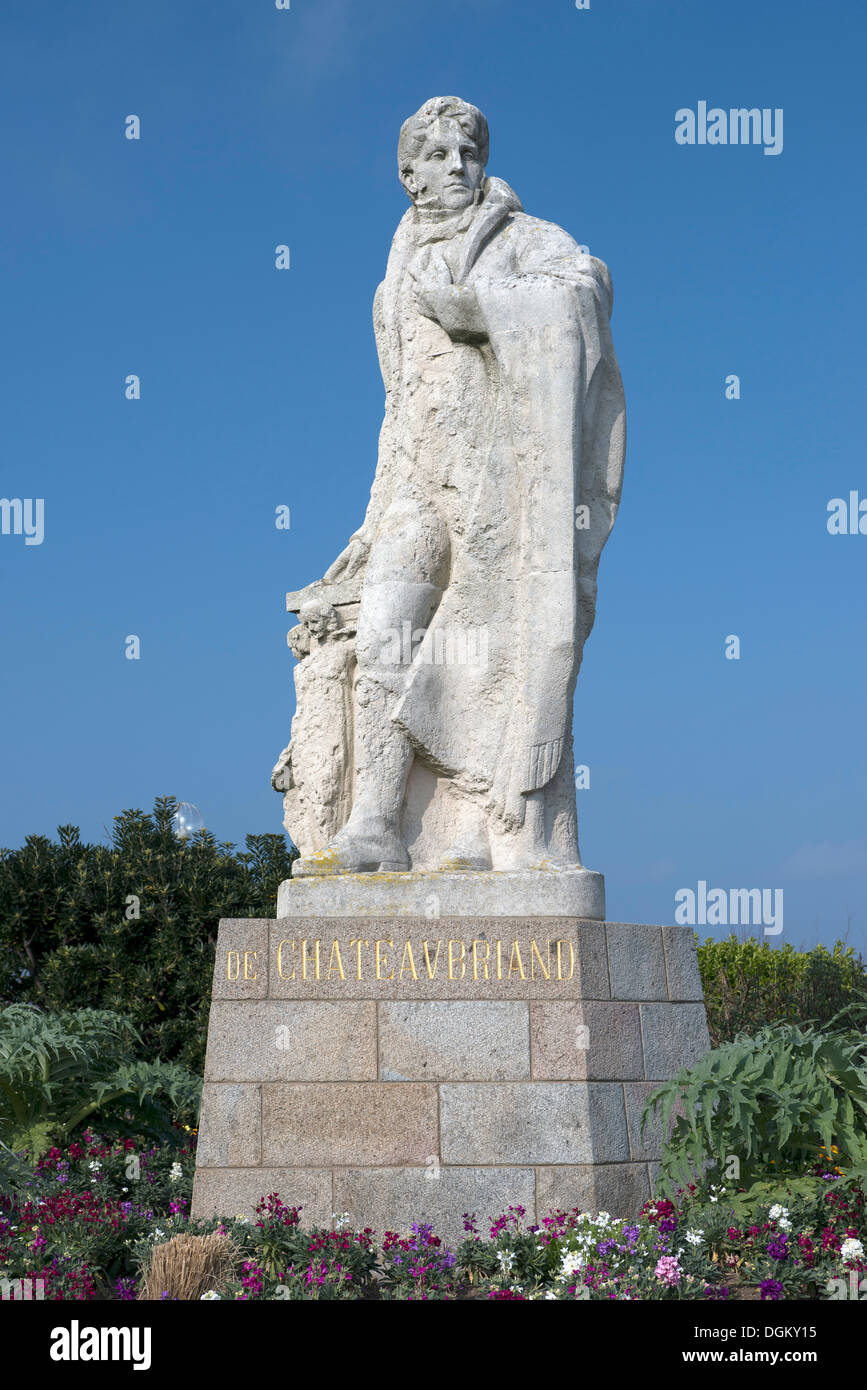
(349, 561)
(433, 278)
(454, 307)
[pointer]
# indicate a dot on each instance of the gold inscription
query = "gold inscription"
(382, 962)
(459, 961)
(291, 945)
(485, 960)
(335, 952)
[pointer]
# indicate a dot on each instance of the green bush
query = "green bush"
(748, 984)
(58, 1071)
(766, 1108)
(130, 926)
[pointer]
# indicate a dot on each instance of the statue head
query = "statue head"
(442, 153)
(298, 641)
(319, 618)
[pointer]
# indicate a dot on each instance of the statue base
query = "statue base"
(374, 1052)
(464, 893)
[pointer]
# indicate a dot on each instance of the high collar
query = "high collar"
(441, 224)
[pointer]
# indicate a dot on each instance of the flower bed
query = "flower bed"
(90, 1218)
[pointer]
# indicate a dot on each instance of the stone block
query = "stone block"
(575, 893)
(454, 1042)
(594, 1041)
(681, 965)
(287, 1040)
(647, 1146)
(230, 1126)
(233, 1192)
(368, 1123)
(394, 1198)
(636, 961)
(618, 1188)
(533, 1122)
(674, 1036)
(241, 963)
(490, 958)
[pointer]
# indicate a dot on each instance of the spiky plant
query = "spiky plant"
(58, 1071)
(764, 1106)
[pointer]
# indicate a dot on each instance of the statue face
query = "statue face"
(318, 618)
(448, 169)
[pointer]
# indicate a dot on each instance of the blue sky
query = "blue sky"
(261, 387)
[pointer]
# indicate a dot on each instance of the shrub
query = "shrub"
(131, 925)
(748, 984)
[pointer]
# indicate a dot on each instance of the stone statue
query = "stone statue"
(438, 656)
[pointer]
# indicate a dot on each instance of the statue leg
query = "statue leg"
(406, 573)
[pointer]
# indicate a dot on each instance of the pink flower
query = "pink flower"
(668, 1271)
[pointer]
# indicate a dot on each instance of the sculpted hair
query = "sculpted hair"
(415, 128)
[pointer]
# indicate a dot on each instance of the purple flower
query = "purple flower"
(771, 1289)
(778, 1249)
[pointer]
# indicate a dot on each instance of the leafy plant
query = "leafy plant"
(748, 984)
(763, 1105)
(59, 1070)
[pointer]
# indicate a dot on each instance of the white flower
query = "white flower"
(158, 1233)
(212, 1293)
(176, 1173)
(851, 1249)
(124, 1189)
(602, 1218)
(571, 1263)
(550, 1294)
(651, 1211)
(506, 1258)
(694, 1237)
(95, 1166)
(784, 1224)
(777, 1211)
(340, 1219)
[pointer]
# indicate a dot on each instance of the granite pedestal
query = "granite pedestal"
(407, 1047)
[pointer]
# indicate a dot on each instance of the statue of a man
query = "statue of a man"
(472, 580)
